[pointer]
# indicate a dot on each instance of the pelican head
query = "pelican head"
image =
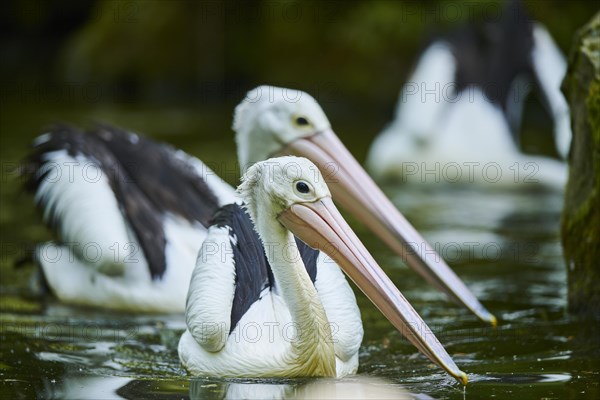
(272, 186)
(289, 193)
(269, 118)
(274, 121)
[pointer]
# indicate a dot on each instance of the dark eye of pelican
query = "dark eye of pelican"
(301, 121)
(302, 187)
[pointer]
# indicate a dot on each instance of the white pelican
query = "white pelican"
(458, 116)
(132, 213)
(248, 316)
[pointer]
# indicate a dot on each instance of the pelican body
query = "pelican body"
(301, 317)
(239, 312)
(459, 114)
(146, 207)
(130, 214)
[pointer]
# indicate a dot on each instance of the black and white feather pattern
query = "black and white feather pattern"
(253, 273)
(148, 179)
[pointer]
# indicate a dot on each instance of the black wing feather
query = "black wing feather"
(170, 183)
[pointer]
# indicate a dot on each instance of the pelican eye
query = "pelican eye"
(302, 187)
(301, 121)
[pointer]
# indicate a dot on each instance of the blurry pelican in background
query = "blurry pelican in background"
(459, 115)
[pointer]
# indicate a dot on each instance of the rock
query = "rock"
(581, 214)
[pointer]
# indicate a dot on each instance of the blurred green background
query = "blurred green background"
(353, 56)
(173, 51)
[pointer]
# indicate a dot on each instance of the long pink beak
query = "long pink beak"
(356, 191)
(320, 225)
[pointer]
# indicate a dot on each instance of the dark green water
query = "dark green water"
(504, 244)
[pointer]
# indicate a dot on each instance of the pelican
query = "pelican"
(458, 116)
(132, 213)
(295, 321)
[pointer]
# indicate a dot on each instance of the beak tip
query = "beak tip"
(486, 316)
(493, 321)
(463, 378)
